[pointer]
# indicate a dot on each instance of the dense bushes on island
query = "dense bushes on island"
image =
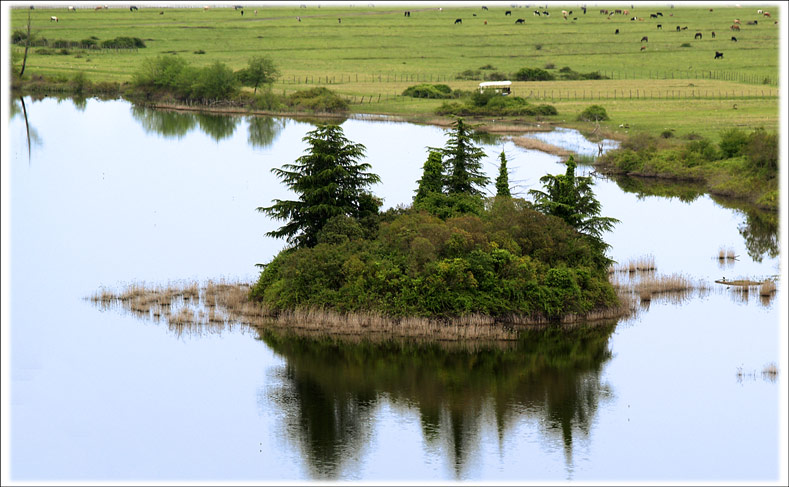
(742, 165)
(453, 252)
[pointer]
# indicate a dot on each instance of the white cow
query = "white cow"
(53, 18)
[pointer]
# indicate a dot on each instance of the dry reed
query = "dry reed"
(767, 288)
(536, 144)
(215, 304)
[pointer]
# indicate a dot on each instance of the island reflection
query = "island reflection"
(330, 390)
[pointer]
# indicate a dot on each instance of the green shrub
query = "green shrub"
(640, 142)
(216, 81)
(533, 74)
(496, 76)
(428, 91)
(487, 66)
(667, 134)
(469, 74)
(550, 66)
(593, 113)
(732, 143)
(318, 100)
(123, 43)
(685, 44)
(762, 150)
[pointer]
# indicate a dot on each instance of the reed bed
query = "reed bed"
(770, 371)
(644, 263)
(726, 254)
(217, 304)
(767, 288)
(536, 144)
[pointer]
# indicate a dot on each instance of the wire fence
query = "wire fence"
(736, 76)
(589, 95)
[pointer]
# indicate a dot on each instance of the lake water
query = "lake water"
(110, 194)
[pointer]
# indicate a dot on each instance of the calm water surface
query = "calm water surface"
(110, 194)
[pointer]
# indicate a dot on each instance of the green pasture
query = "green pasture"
(377, 52)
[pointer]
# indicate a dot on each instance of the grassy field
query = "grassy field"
(376, 52)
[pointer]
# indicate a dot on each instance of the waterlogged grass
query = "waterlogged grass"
(374, 53)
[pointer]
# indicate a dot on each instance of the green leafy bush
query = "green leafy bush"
(762, 150)
(318, 100)
(428, 91)
(593, 113)
(533, 74)
(123, 43)
(733, 141)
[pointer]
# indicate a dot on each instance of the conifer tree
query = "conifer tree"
(463, 162)
(503, 181)
(329, 181)
(432, 177)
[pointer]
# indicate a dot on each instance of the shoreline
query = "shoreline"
(227, 303)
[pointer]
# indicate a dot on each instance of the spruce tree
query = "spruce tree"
(432, 177)
(571, 198)
(463, 162)
(329, 181)
(503, 181)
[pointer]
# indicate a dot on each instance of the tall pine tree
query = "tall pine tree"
(432, 177)
(329, 181)
(463, 162)
(503, 180)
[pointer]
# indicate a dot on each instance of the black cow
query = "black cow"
(678, 29)
(685, 28)
(713, 34)
(753, 22)
(697, 36)
(616, 32)
(652, 16)
(132, 8)
(520, 21)
(660, 26)
(718, 55)
(645, 39)
(237, 7)
(734, 39)
(659, 14)
(537, 13)
(545, 13)
(484, 7)
(458, 21)
(508, 12)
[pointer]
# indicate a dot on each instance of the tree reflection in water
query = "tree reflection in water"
(262, 131)
(759, 230)
(331, 390)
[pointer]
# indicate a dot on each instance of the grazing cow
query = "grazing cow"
(458, 21)
(298, 18)
(625, 12)
(752, 22)
(339, 20)
(718, 55)
(697, 36)
(633, 18)
(643, 48)
(242, 13)
(98, 7)
(256, 13)
(486, 22)
(659, 14)
(645, 39)
(735, 27)
(584, 9)
(537, 13)
(545, 13)
(564, 13)
(617, 11)
(616, 32)
(484, 7)
(508, 12)
(132, 8)
(473, 15)
(652, 16)
(734, 39)
(205, 9)
(684, 27)
(678, 29)
(237, 7)
(575, 18)
(53, 18)
(759, 11)
(736, 21)
(604, 12)
(71, 9)
(766, 14)
(660, 26)
(520, 21)
(161, 13)
(713, 34)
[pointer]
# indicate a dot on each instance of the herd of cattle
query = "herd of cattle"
(735, 27)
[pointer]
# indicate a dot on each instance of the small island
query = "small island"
(454, 255)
